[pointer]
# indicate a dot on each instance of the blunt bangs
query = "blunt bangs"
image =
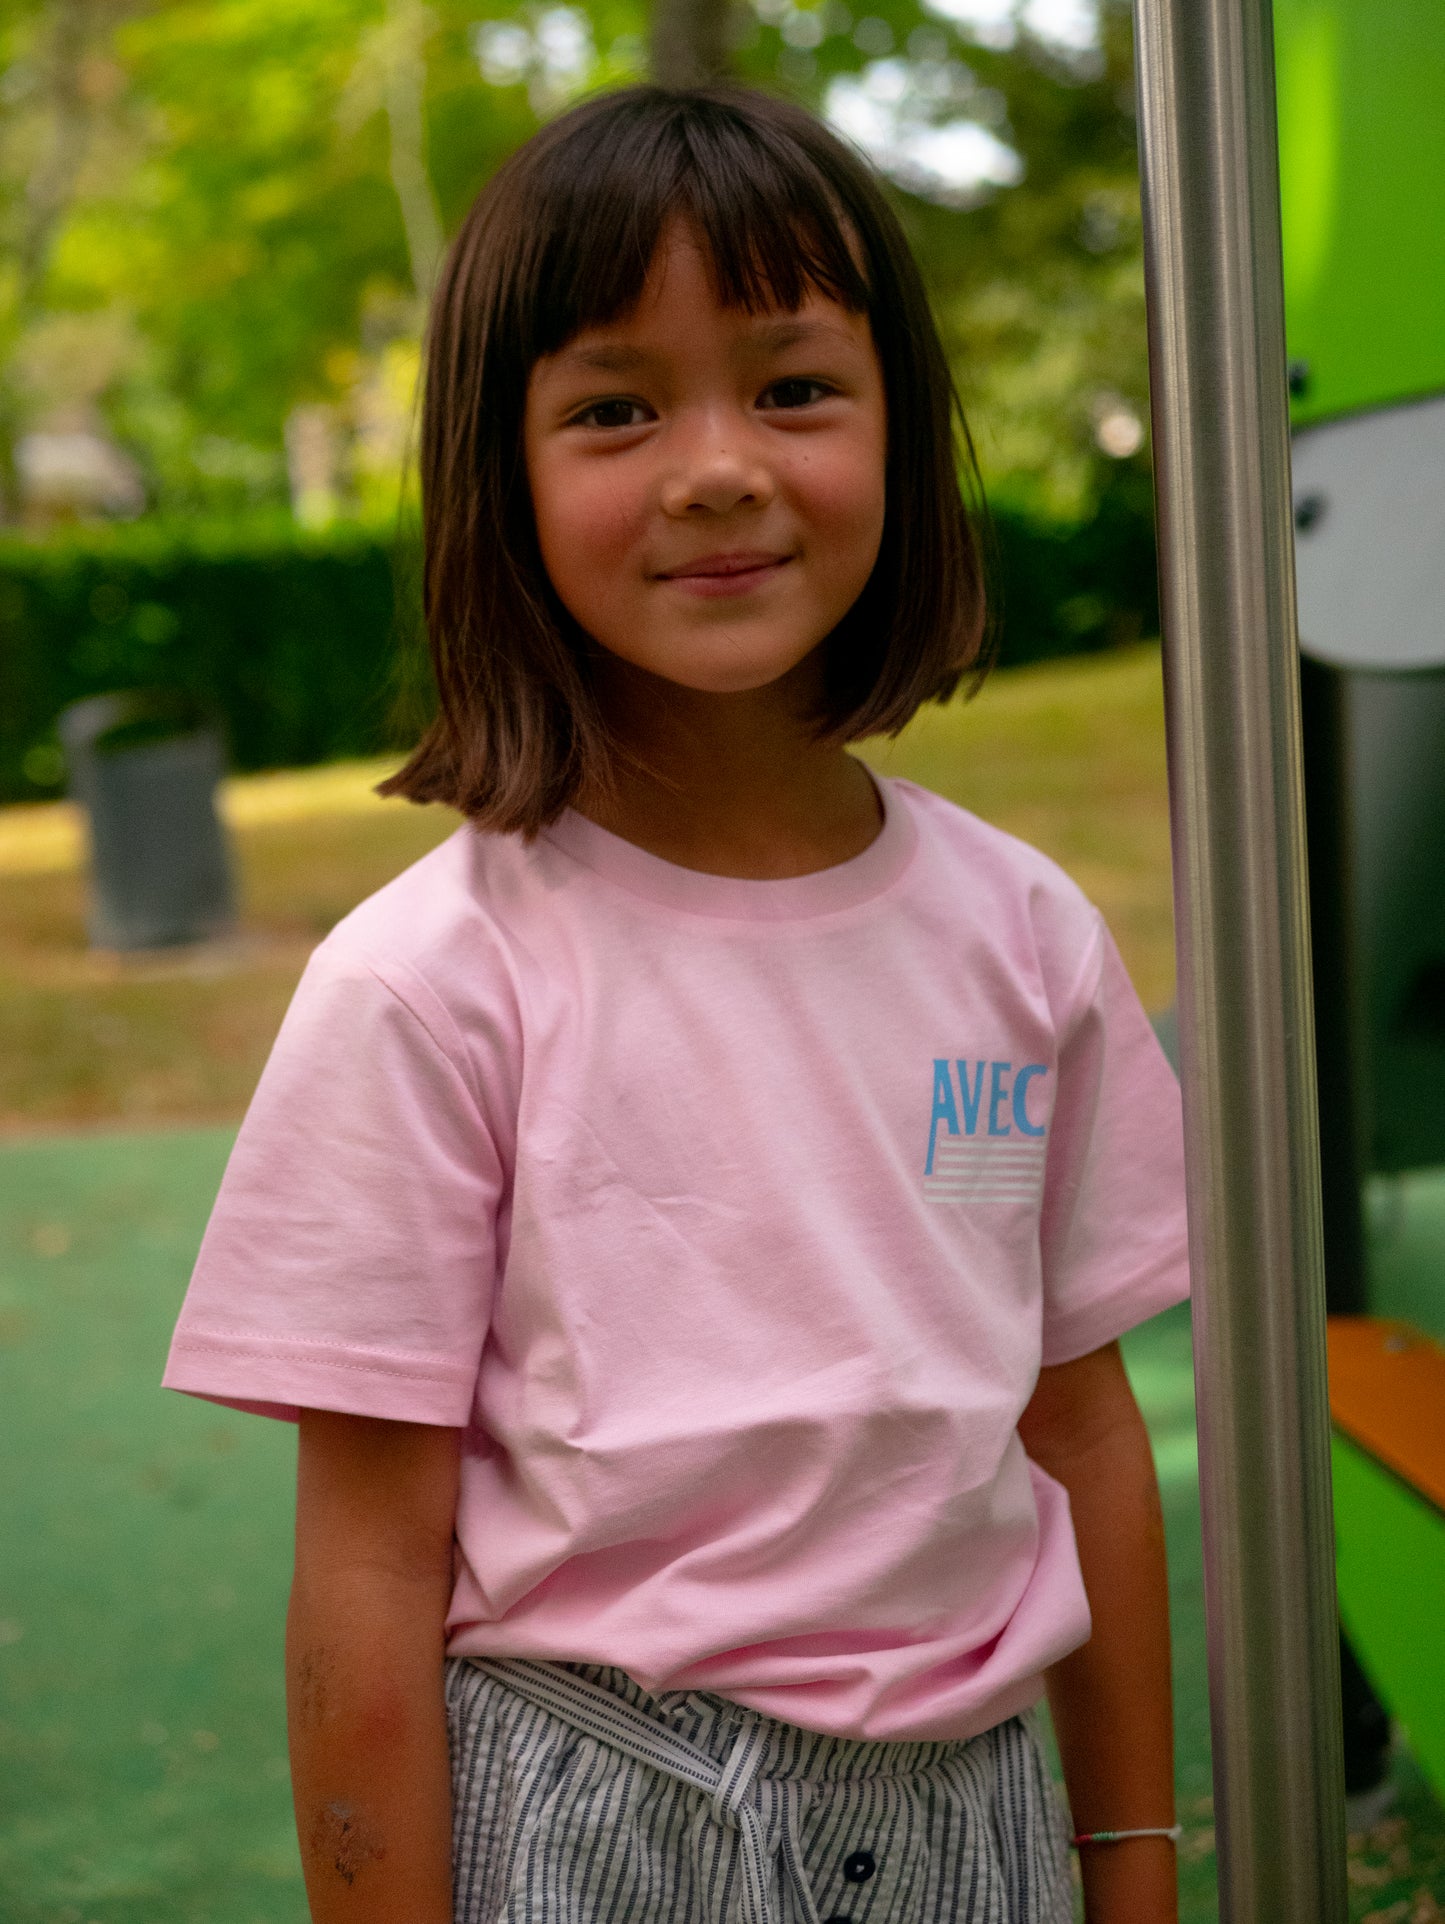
(561, 240)
(763, 214)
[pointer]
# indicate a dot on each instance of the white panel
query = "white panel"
(1369, 495)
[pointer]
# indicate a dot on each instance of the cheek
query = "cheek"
(588, 521)
(844, 499)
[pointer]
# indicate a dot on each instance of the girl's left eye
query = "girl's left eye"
(618, 413)
(797, 391)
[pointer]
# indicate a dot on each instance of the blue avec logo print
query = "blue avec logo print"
(993, 1093)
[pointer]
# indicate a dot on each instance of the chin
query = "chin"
(741, 681)
(739, 672)
(715, 664)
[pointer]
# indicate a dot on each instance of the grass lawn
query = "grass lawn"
(1069, 755)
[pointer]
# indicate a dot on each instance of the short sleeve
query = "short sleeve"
(349, 1261)
(1113, 1230)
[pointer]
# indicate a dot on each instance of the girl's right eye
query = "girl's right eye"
(611, 414)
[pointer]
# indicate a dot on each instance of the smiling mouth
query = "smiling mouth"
(724, 566)
(721, 571)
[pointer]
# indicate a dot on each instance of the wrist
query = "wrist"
(1133, 1881)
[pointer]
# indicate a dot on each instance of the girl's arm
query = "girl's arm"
(1111, 1700)
(375, 1508)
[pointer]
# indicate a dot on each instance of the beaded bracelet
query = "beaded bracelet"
(1174, 1832)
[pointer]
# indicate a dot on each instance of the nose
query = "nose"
(716, 468)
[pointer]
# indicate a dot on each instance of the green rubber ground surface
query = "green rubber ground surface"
(145, 1561)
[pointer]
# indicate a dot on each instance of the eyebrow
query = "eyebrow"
(608, 360)
(772, 335)
(792, 333)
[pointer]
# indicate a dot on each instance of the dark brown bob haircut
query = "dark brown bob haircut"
(561, 239)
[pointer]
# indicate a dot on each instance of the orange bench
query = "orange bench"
(1387, 1393)
(1387, 1399)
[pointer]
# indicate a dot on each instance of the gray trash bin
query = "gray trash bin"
(144, 766)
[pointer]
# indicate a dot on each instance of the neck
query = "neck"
(730, 784)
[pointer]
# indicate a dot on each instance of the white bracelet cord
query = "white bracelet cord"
(1172, 1831)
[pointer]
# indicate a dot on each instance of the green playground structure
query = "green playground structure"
(1361, 87)
(1361, 95)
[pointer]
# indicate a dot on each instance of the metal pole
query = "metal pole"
(1221, 453)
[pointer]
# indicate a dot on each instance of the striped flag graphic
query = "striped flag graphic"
(968, 1169)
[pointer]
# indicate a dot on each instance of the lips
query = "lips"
(722, 567)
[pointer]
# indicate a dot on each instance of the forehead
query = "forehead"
(681, 296)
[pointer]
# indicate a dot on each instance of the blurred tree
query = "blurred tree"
(691, 41)
(58, 88)
(390, 73)
(244, 202)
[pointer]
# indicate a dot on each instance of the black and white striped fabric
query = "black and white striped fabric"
(581, 1799)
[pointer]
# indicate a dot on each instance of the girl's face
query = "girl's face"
(708, 484)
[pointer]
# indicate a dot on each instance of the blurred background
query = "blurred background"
(219, 220)
(220, 224)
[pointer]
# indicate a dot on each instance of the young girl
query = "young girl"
(691, 1212)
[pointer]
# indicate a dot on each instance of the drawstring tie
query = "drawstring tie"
(738, 1794)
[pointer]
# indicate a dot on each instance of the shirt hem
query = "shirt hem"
(355, 1383)
(1071, 1337)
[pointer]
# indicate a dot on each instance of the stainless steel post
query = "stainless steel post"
(1221, 453)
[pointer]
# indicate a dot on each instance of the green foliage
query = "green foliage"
(290, 640)
(305, 647)
(242, 200)
(218, 217)
(1068, 587)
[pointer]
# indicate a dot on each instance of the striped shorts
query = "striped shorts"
(581, 1799)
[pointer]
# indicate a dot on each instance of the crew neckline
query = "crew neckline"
(824, 891)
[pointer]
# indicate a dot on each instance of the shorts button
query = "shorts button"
(859, 1867)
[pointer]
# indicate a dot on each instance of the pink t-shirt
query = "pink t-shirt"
(732, 1220)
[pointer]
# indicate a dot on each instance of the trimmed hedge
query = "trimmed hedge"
(291, 640)
(1071, 588)
(306, 647)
